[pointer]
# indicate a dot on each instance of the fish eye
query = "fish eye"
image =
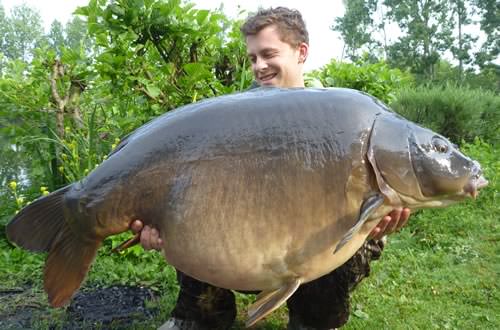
(439, 145)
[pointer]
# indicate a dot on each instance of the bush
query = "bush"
(455, 112)
(376, 79)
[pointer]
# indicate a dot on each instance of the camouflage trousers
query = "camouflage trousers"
(320, 304)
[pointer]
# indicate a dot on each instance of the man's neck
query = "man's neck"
(299, 82)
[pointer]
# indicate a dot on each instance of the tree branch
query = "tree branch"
(58, 71)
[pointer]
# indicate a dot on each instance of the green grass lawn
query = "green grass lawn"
(441, 271)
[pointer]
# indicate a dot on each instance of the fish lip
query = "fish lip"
(475, 183)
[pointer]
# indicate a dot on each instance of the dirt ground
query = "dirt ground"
(116, 307)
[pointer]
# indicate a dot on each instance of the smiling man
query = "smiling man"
(276, 62)
(277, 45)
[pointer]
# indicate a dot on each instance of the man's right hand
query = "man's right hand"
(150, 237)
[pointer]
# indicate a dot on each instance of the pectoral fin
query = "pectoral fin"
(268, 301)
(367, 208)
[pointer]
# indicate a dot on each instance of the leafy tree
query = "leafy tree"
(356, 28)
(55, 37)
(23, 30)
(462, 11)
(446, 73)
(70, 107)
(169, 54)
(430, 29)
(427, 34)
(3, 27)
(76, 35)
(489, 11)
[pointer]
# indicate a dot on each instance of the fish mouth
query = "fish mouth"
(475, 183)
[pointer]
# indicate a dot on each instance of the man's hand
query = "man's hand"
(392, 222)
(150, 237)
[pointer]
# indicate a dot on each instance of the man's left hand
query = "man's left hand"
(392, 222)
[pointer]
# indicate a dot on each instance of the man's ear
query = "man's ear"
(303, 52)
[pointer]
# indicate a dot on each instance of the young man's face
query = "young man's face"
(274, 62)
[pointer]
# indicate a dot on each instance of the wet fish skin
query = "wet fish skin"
(252, 191)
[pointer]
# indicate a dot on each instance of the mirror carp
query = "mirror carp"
(256, 191)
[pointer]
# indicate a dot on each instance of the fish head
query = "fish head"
(441, 168)
(419, 168)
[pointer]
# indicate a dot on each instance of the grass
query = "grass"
(440, 272)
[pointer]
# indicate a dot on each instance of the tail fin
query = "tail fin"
(37, 225)
(41, 226)
(68, 262)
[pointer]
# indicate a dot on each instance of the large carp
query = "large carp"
(262, 190)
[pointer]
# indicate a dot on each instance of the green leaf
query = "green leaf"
(117, 10)
(84, 11)
(201, 16)
(362, 315)
(153, 90)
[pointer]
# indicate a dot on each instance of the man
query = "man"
(277, 45)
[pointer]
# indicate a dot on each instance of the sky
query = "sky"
(319, 15)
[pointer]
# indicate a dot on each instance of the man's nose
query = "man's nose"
(260, 64)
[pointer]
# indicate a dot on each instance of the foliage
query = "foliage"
(355, 27)
(75, 35)
(446, 73)
(56, 37)
(21, 33)
(461, 49)
(489, 11)
(376, 79)
(166, 52)
(75, 98)
(457, 113)
(427, 32)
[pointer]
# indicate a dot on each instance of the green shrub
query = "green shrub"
(457, 113)
(376, 79)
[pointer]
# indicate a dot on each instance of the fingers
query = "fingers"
(150, 239)
(146, 238)
(405, 215)
(392, 222)
(156, 241)
(374, 234)
(136, 226)
(395, 216)
(379, 231)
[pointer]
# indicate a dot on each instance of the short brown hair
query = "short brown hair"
(289, 23)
